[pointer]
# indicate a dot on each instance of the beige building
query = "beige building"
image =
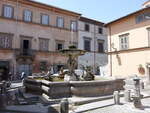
(129, 44)
(31, 34)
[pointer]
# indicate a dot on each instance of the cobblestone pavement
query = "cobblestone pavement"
(124, 108)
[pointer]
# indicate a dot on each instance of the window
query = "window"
(148, 5)
(139, 18)
(100, 30)
(44, 19)
(59, 45)
(26, 47)
(87, 27)
(124, 43)
(143, 17)
(60, 22)
(101, 46)
(44, 44)
(5, 40)
(87, 44)
(148, 29)
(74, 25)
(147, 16)
(8, 11)
(27, 16)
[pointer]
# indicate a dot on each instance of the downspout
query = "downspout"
(78, 38)
(94, 50)
(15, 65)
(110, 50)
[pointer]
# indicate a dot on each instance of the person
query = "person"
(1, 78)
(48, 73)
(9, 76)
(23, 75)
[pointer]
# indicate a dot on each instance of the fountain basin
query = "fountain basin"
(77, 88)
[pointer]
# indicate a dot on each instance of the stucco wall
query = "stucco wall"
(129, 63)
(37, 30)
(34, 30)
(126, 63)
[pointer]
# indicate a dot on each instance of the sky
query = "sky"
(101, 10)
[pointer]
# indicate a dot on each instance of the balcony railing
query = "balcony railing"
(25, 53)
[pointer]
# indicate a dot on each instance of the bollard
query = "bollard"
(127, 95)
(3, 101)
(137, 86)
(137, 96)
(137, 102)
(142, 85)
(64, 106)
(4, 87)
(116, 97)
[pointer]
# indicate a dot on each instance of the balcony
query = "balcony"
(25, 54)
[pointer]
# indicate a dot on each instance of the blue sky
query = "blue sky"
(101, 10)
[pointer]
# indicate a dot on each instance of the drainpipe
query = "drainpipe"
(14, 45)
(78, 38)
(94, 51)
(110, 50)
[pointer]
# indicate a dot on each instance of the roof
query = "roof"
(92, 21)
(131, 14)
(46, 6)
(146, 2)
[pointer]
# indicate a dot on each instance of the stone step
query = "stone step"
(45, 98)
(83, 100)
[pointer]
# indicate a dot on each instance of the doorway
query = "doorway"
(26, 46)
(26, 68)
(4, 70)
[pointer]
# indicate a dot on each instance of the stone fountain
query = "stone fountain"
(72, 53)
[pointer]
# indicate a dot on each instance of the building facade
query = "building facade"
(93, 38)
(129, 45)
(31, 35)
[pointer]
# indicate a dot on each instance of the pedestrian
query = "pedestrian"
(23, 75)
(9, 76)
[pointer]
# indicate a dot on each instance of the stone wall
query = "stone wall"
(74, 88)
(56, 89)
(95, 88)
(33, 86)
